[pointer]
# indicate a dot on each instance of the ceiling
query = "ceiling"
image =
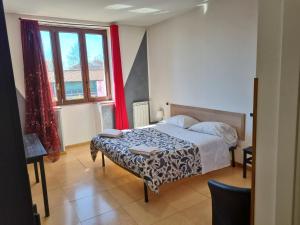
(95, 10)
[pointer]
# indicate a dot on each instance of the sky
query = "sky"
(94, 46)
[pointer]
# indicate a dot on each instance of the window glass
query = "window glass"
(71, 63)
(96, 65)
(48, 53)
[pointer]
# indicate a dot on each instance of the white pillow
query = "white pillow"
(182, 121)
(219, 129)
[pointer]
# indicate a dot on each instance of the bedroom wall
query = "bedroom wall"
(137, 85)
(206, 59)
(76, 128)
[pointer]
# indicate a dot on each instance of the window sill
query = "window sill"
(106, 102)
(84, 103)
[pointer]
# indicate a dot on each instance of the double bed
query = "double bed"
(184, 153)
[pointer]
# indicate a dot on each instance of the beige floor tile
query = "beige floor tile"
(82, 190)
(113, 171)
(200, 185)
(171, 185)
(199, 214)
(176, 219)
(87, 161)
(128, 193)
(90, 207)
(63, 160)
(181, 197)
(72, 179)
(108, 182)
(56, 198)
(62, 215)
(235, 179)
(36, 188)
(114, 217)
(67, 168)
(78, 150)
(149, 213)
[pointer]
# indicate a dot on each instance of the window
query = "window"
(77, 64)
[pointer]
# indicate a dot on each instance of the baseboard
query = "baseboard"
(77, 145)
(241, 165)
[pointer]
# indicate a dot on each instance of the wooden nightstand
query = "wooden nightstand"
(247, 160)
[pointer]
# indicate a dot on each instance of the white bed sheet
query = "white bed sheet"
(214, 151)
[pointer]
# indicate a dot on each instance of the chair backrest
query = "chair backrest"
(230, 205)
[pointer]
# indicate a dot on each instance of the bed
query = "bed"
(184, 153)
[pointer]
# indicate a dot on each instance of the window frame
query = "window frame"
(58, 67)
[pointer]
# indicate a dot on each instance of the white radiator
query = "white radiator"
(140, 114)
(58, 118)
(104, 116)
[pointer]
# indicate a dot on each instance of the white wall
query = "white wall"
(206, 60)
(79, 123)
(15, 44)
(130, 41)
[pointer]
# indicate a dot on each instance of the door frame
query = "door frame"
(296, 206)
(254, 128)
(278, 64)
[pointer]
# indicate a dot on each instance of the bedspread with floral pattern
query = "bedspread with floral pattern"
(176, 160)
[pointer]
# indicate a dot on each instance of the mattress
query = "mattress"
(183, 153)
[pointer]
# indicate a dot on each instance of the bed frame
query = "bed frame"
(236, 120)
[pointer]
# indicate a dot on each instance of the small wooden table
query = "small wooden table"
(247, 160)
(35, 152)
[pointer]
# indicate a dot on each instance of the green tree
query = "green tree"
(73, 59)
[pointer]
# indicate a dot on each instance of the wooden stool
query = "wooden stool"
(247, 160)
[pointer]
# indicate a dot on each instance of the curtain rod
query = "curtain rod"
(65, 23)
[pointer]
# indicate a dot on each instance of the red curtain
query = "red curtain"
(39, 118)
(121, 117)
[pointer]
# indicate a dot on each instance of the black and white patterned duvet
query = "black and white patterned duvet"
(178, 158)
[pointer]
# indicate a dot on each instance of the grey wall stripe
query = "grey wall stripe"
(137, 87)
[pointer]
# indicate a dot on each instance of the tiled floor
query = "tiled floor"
(81, 192)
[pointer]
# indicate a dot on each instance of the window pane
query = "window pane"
(95, 57)
(47, 48)
(70, 54)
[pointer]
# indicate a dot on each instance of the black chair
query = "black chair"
(230, 205)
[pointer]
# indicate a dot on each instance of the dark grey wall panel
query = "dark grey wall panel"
(137, 87)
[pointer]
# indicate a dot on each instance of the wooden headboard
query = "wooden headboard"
(236, 120)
